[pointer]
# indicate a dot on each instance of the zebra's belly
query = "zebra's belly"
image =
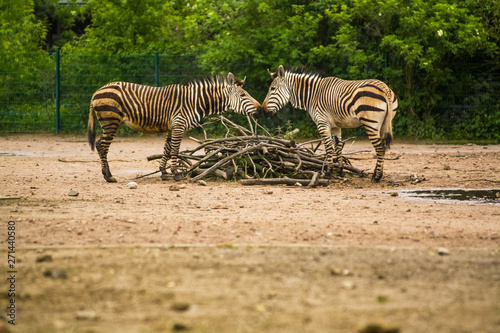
(351, 122)
(146, 128)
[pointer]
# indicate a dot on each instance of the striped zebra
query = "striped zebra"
(172, 109)
(334, 104)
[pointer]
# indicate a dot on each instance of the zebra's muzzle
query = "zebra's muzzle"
(264, 112)
(260, 112)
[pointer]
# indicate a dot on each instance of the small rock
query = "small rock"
(394, 194)
(202, 182)
(44, 258)
(174, 188)
(180, 306)
(132, 185)
(55, 273)
(73, 193)
(377, 328)
(348, 284)
(86, 315)
(442, 251)
(297, 184)
(177, 327)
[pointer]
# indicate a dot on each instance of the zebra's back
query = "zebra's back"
(142, 108)
(347, 103)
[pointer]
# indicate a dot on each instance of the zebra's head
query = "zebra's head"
(240, 100)
(278, 95)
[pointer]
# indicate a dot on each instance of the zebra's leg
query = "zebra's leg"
(177, 133)
(326, 135)
(379, 145)
(102, 146)
(337, 153)
(166, 156)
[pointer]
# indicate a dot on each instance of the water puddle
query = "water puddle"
(469, 196)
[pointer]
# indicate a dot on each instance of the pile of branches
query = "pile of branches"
(257, 160)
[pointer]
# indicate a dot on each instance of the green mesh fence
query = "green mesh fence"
(29, 99)
(47, 92)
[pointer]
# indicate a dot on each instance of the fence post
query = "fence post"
(157, 69)
(58, 95)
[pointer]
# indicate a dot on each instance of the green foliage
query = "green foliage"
(441, 57)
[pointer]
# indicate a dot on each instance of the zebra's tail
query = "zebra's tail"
(91, 126)
(386, 128)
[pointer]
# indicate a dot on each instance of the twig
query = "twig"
(148, 174)
(224, 160)
(283, 181)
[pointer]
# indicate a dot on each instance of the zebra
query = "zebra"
(334, 104)
(171, 109)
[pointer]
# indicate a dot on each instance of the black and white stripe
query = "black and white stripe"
(171, 109)
(334, 104)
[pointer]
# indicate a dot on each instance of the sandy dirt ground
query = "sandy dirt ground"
(224, 257)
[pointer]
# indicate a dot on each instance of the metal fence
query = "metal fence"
(50, 92)
(55, 98)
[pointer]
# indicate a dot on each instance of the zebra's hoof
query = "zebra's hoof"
(111, 179)
(178, 177)
(164, 176)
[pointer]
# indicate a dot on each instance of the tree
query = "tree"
(132, 26)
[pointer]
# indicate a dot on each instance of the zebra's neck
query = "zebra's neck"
(302, 89)
(210, 100)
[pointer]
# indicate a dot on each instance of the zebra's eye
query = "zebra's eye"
(242, 95)
(273, 88)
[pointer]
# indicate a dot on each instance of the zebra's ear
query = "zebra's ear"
(273, 74)
(281, 71)
(230, 79)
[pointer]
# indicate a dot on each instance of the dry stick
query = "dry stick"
(258, 125)
(195, 140)
(154, 157)
(242, 129)
(282, 181)
(209, 142)
(206, 158)
(255, 173)
(314, 180)
(148, 174)
(251, 127)
(265, 159)
(78, 161)
(224, 160)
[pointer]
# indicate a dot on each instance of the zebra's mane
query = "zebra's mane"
(210, 81)
(304, 70)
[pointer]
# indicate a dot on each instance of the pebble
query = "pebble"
(442, 251)
(132, 185)
(73, 193)
(180, 306)
(55, 273)
(174, 188)
(44, 258)
(378, 328)
(202, 182)
(348, 284)
(86, 315)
